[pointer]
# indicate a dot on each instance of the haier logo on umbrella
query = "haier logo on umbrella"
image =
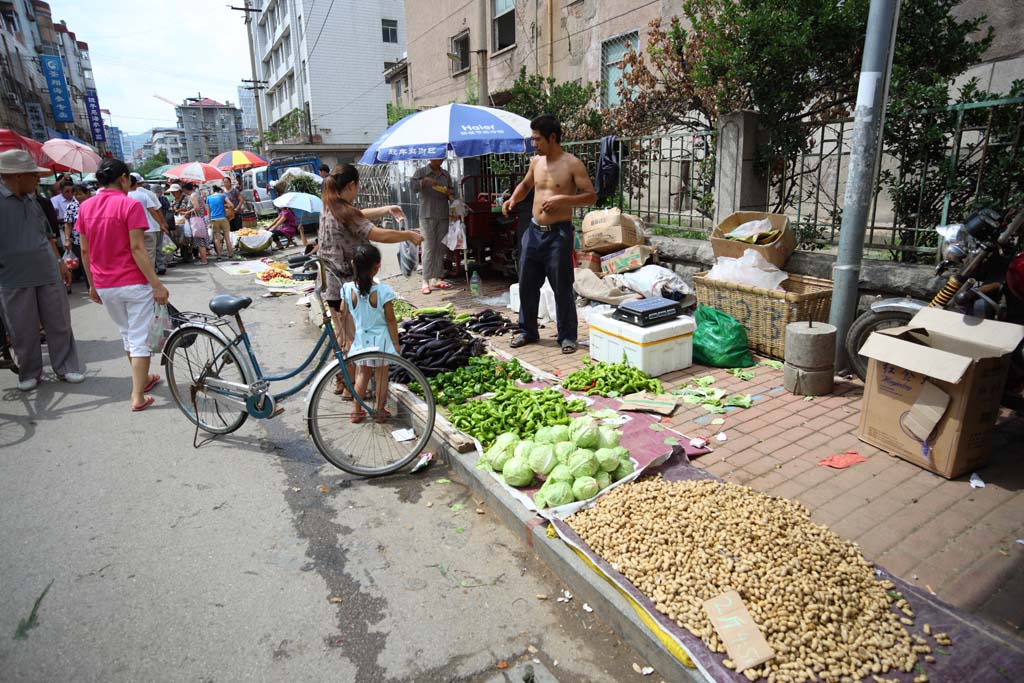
(481, 129)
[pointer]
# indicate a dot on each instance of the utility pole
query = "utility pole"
(483, 98)
(883, 16)
(257, 84)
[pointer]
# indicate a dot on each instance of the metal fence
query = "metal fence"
(955, 160)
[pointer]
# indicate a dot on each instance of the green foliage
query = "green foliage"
(472, 90)
(575, 105)
(397, 112)
(303, 183)
(289, 128)
(156, 161)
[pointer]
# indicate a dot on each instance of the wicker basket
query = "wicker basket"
(765, 312)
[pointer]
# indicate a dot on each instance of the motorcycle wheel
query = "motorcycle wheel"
(862, 328)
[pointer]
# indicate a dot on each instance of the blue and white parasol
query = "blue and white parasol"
(464, 130)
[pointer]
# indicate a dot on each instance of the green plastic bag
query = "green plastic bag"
(719, 340)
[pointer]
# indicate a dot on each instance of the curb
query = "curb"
(586, 585)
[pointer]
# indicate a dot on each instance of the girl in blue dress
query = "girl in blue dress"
(376, 327)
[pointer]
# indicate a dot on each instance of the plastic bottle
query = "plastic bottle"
(474, 284)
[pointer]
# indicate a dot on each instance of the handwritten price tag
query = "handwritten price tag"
(743, 640)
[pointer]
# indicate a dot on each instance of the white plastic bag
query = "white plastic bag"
(651, 281)
(546, 309)
(750, 269)
(159, 327)
(455, 240)
(459, 208)
(750, 228)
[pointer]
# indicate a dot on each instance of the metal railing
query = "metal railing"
(960, 158)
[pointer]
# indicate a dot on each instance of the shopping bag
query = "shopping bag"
(719, 340)
(455, 240)
(159, 327)
(198, 226)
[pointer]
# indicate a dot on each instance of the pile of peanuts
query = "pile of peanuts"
(815, 598)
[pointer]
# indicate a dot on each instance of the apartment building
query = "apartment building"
(208, 127)
(323, 66)
(171, 141)
(570, 41)
(30, 36)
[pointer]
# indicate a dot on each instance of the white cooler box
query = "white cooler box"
(657, 350)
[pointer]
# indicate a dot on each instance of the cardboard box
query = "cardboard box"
(589, 260)
(626, 260)
(933, 389)
(608, 230)
(775, 253)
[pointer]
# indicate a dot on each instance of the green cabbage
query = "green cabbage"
(621, 452)
(608, 437)
(604, 479)
(624, 469)
(585, 432)
(607, 459)
(539, 499)
(584, 488)
(560, 433)
(563, 450)
(517, 472)
(523, 449)
(560, 473)
(508, 439)
(582, 463)
(542, 458)
(543, 435)
(558, 493)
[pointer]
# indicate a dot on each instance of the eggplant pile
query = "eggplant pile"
(434, 343)
(490, 323)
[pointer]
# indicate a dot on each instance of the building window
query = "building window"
(10, 19)
(389, 27)
(504, 26)
(460, 53)
(612, 53)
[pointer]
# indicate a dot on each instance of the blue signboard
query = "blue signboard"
(60, 98)
(92, 108)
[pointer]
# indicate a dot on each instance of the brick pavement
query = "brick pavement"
(944, 536)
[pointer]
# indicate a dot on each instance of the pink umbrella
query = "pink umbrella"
(74, 155)
(195, 171)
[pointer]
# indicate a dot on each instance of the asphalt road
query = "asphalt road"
(249, 558)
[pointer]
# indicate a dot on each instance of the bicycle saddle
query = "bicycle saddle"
(227, 304)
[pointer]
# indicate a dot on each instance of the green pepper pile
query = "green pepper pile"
(610, 379)
(483, 374)
(518, 411)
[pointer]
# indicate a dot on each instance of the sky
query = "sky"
(172, 48)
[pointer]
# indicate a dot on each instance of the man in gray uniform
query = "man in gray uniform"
(32, 277)
(436, 190)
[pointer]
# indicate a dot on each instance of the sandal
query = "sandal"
(142, 406)
(521, 340)
(153, 381)
(425, 289)
(358, 416)
(340, 389)
(444, 285)
(568, 346)
(382, 416)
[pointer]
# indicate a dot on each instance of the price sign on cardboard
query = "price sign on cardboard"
(743, 640)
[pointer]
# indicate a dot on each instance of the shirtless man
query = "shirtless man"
(560, 182)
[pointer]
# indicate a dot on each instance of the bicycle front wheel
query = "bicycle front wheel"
(384, 439)
(195, 355)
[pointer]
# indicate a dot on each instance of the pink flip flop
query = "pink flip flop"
(443, 285)
(145, 404)
(153, 381)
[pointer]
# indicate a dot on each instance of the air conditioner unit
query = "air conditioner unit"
(12, 98)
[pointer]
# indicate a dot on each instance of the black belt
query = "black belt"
(553, 226)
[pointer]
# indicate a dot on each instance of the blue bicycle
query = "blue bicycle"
(217, 381)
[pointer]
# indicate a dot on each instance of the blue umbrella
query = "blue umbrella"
(464, 130)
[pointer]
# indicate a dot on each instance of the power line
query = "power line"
(317, 41)
(443, 19)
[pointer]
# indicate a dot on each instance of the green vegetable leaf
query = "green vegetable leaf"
(444, 481)
(777, 364)
(612, 394)
(705, 381)
(459, 530)
(671, 441)
(718, 421)
(693, 398)
(741, 400)
(808, 398)
(745, 375)
(713, 408)
(603, 413)
(656, 427)
(457, 506)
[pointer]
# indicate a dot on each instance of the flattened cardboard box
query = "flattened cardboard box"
(933, 389)
(589, 260)
(776, 253)
(608, 230)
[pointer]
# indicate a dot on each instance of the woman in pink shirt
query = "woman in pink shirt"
(121, 274)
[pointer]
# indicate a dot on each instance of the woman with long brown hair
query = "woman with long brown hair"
(343, 228)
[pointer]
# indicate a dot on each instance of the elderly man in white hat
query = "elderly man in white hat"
(32, 277)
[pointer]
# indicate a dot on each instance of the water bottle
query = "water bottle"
(474, 284)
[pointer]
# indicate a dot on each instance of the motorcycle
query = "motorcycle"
(988, 282)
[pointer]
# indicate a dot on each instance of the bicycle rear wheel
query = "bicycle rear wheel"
(367, 443)
(193, 356)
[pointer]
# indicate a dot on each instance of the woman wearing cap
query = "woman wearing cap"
(121, 276)
(343, 228)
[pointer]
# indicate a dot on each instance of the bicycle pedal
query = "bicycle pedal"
(277, 411)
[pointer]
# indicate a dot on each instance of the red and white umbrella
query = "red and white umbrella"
(74, 155)
(195, 171)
